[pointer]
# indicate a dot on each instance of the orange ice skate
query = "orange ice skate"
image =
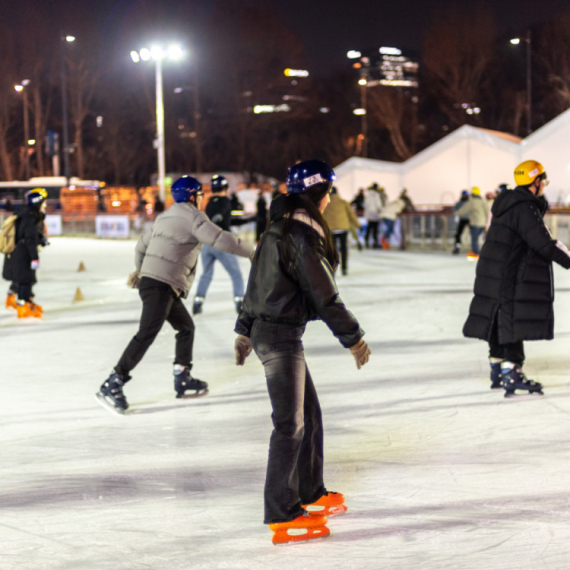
(330, 504)
(302, 529)
(472, 256)
(385, 243)
(29, 310)
(11, 302)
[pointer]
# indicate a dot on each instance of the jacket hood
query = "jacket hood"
(510, 198)
(277, 208)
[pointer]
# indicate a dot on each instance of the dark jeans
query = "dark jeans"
(25, 291)
(372, 228)
(513, 351)
(340, 244)
(295, 465)
(160, 303)
(389, 225)
(476, 231)
(463, 223)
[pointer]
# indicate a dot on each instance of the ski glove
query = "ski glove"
(35, 264)
(361, 353)
(242, 349)
(134, 280)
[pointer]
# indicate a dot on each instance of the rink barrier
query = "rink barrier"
(430, 229)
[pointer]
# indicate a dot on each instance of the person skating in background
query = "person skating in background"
(20, 266)
(478, 213)
(375, 199)
(462, 221)
(340, 218)
(166, 259)
(358, 202)
(260, 216)
(389, 214)
(514, 289)
(219, 210)
(291, 282)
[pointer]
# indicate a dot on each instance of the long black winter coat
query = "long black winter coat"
(513, 283)
(29, 235)
(291, 282)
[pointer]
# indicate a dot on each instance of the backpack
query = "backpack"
(8, 235)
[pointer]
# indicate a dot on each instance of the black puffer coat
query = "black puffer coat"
(292, 282)
(513, 283)
(29, 235)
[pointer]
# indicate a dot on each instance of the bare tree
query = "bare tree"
(458, 50)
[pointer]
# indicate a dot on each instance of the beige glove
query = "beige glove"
(134, 280)
(361, 353)
(242, 349)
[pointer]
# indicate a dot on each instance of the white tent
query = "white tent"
(470, 156)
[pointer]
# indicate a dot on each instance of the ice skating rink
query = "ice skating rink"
(439, 471)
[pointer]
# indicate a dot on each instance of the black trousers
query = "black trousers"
(340, 244)
(462, 224)
(372, 228)
(513, 351)
(295, 465)
(160, 303)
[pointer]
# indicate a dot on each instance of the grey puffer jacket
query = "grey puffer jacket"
(169, 251)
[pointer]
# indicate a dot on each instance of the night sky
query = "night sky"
(327, 28)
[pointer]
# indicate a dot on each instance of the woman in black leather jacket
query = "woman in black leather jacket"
(292, 282)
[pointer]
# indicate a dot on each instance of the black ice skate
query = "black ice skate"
(184, 382)
(111, 396)
(197, 306)
(239, 304)
(514, 379)
(496, 377)
(456, 249)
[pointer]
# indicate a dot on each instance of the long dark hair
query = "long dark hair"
(310, 201)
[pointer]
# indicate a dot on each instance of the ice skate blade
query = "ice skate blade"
(108, 406)
(520, 397)
(300, 536)
(327, 511)
(192, 396)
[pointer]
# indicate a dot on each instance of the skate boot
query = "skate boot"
(11, 302)
(514, 379)
(197, 306)
(329, 505)
(26, 309)
(111, 396)
(183, 381)
(456, 249)
(302, 529)
(496, 378)
(239, 304)
(385, 243)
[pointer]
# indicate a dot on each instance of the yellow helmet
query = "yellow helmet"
(527, 171)
(475, 191)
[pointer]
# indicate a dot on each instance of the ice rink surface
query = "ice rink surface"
(439, 471)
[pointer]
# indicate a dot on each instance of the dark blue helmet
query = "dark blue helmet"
(465, 193)
(503, 187)
(36, 196)
(308, 173)
(219, 183)
(184, 188)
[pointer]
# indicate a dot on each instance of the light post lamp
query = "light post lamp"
(158, 54)
(527, 40)
(62, 41)
(21, 88)
(363, 82)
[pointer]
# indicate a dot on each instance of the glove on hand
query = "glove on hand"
(134, 280)
(35, 264)
(242, 349)
(44, 241)
(361, 353)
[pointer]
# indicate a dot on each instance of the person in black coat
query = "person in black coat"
(292, 282)
(20, 266)
(514, 289)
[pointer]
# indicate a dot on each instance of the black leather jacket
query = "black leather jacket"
(291, 282)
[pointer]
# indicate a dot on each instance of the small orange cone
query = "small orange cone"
(78, 295)
(81, 267)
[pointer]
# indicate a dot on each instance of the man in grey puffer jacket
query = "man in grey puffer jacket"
(166, 259)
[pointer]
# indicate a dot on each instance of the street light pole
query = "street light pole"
(528, 84)
(160, 129)
(66, 168)
(364, 120)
